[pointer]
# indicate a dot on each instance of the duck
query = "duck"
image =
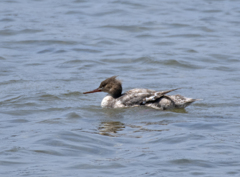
(139, 97)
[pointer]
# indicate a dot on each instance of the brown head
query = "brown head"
(110, 85)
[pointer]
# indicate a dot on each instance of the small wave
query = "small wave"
(73, 115)
(48, 97)
(86, 50)
(70, 94)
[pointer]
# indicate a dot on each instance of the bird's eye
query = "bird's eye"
(102, 86)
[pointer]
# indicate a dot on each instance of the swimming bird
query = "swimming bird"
(138, 97)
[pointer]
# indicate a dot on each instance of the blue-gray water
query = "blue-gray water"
(52, 51)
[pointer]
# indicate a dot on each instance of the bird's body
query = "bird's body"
(138, 97)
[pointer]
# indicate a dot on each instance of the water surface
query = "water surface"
(52, 52)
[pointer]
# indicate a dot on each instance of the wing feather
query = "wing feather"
(142, 96)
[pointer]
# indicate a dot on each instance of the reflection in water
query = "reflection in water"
(110, 128)
(179, 110)
(113, 128)
(113, 113)
(146, 127)
(112, 125)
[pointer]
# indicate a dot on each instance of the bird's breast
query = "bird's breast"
(107, 102)
(110, 102)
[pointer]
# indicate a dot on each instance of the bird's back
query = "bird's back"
(147, 97)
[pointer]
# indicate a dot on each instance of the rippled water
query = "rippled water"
(52, 51)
